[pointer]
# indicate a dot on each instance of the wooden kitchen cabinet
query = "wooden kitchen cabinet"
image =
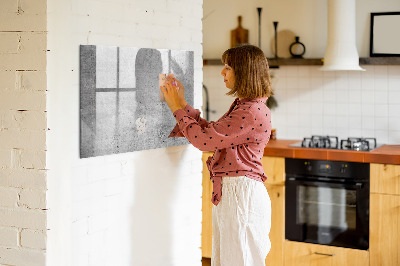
(206, 225)
(274, 168)
(277, 233)
(305, 254)
(385, 178)
(385, 215)
(384, 236)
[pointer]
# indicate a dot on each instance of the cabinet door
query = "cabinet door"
(384, 230)
(206, 226)
(385, 178)
(304, 254)
(274, 168)
(277, 233)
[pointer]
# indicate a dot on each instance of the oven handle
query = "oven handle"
(357, 185)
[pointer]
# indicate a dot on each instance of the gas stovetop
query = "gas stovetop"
(332, 142)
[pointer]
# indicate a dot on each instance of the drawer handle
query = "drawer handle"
(324, 254)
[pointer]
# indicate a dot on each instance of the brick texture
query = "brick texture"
(9, 237)
(17, 256)
(23, 126)
(23, 218)
(33, 239)
(8, 197)
(115, 194)
(33, 199)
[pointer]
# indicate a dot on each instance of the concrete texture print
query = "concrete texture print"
(120, 106)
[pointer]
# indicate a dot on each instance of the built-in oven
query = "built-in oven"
(327, 202)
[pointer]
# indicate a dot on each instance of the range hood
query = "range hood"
(341, 51)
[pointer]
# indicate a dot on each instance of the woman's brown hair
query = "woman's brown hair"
(250, 66)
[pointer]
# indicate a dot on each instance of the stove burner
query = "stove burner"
(328, 142)
(332, 142)
(358, 144)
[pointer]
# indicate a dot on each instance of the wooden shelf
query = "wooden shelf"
(380, 61)
(273, 63)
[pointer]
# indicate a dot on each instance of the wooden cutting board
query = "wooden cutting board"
(239, 35)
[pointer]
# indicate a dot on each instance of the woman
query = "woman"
(242, 208)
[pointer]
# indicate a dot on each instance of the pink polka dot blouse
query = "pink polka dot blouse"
(238, 139)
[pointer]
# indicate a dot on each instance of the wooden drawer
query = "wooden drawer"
(304, 254)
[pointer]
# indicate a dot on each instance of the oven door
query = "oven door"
(327, 213)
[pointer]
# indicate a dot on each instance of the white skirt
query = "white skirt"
(241, 223)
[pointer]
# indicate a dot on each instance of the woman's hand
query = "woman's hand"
(181, 92)
(172, 94)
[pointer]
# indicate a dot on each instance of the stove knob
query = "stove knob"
(308, 166)
(343, 168)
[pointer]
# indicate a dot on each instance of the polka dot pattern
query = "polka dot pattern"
(238, 139)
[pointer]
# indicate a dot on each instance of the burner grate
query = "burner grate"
(327, 142)
(332, 142)
(358, 144)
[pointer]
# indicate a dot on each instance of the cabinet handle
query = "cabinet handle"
(324, 254)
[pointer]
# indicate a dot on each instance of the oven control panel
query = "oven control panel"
(338, 169)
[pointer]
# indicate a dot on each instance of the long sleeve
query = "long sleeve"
(238, 140)
(231, 130)
(193, 113)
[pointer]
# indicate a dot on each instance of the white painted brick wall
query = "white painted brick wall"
(22, 256)
(9, 237)
(34, 239)
(119, 209)
(8, 197)
(23, 178)
(23, 218)
(33, 198)
(22, 132)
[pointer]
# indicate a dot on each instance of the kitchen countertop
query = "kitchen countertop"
(389, 154)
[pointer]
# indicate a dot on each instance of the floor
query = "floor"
(206, 261)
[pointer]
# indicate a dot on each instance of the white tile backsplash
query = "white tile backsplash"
(394, 110)
(394, 97)
(381, 96)
(368, 123)
(382, 136)
(342, 123)
(394, 123)
(394, 137)
(343, 103)
(367, 96)
(380, 84)
(381, 110)
(355, 96)
(367, 110)
(292, 83)
(381, 123)
(329, 109)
